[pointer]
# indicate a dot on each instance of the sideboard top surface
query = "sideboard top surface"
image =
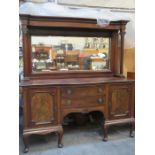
(73, 81)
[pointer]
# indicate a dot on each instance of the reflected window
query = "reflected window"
(61, 53)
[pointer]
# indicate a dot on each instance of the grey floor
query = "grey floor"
(83, 140)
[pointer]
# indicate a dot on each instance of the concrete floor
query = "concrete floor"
(83, 140)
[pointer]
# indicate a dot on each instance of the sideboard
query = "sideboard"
(51, 93)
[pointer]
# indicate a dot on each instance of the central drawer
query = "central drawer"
(83, 96)
(83, 101)
(82, 91)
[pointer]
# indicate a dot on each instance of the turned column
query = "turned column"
(122, 34)
(26, 50)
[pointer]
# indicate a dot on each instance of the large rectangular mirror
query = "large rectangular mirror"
(64, 53)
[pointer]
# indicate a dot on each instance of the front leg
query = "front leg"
(105, 132)
(132, 128)
(26, 143)
(60, 135)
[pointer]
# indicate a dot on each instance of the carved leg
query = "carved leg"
(60, 135)
(105, 133)
(132, 128)
(26, 143)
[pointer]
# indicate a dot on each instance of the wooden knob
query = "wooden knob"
(100, 100)
(69, 91)
(100, 90)
(69, 102)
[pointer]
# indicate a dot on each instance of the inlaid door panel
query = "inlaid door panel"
(42, 106)
(119, 101)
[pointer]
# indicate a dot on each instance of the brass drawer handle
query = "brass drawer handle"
(100, 90)
(100, 100)
(68, 102)
(69, 91)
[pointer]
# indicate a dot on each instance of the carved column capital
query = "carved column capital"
(24, 29)
(122, 31)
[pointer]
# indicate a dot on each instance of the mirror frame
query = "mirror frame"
(43, 26)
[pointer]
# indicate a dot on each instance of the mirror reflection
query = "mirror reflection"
(60, 53)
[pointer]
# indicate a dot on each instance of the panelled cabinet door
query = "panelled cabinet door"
(119, 101)
(42, 106)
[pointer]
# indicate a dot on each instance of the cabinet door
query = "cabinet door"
(119, 101)
(42, 107)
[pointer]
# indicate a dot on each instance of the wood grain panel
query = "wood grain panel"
(42, 108)
(119, 101)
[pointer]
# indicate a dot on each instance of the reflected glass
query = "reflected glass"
(61, 53)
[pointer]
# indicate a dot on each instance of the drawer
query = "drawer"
(82, 91)
(83, 101)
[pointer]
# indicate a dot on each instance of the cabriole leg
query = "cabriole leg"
(132, 128)
(26, 143)
(105, 133)
(60, 135)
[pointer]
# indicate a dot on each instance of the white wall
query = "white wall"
(101, 3)
(124, 7)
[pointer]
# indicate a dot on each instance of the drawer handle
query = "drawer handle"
(100, 100)
(69, 102)
(100, 90)
(69, 91)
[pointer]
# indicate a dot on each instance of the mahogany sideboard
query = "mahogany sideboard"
(49, 97)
